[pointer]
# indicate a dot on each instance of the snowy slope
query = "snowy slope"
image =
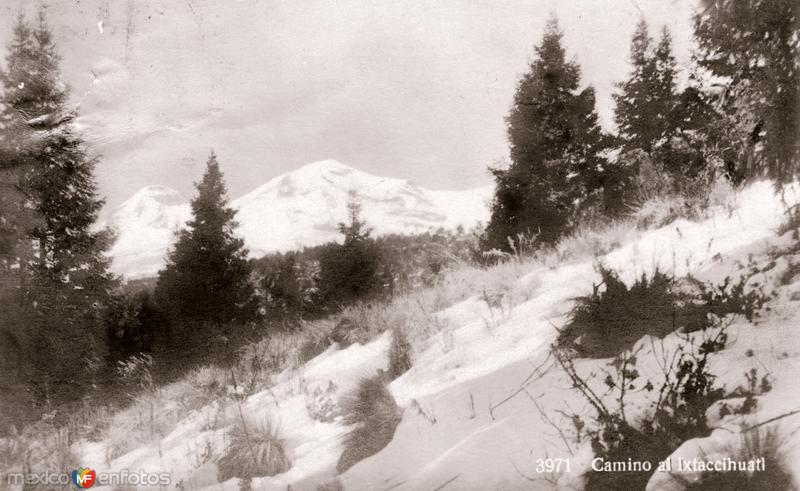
(460, 429)
(296, 209)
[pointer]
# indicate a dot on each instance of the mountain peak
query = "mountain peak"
(164, 195)
(324, 168)
(293, 210)
(331, 165)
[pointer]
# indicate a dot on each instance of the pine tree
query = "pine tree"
(555, 148)
(646, 101)
(19, 146)
(355, 229)
(751, 48)
(65, 287)
(205, 287)
(350, 271)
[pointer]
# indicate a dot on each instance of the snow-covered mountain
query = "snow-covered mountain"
(296, 209)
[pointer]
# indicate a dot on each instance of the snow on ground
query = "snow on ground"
(460, 429)
(480, 449)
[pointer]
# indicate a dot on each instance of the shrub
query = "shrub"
(374, 414)
(135, 374)
(313, 345)
(332, 485)
(290, 288)
(755, 387)
(741, 297)
(355, 269)
(605, 323)
(611, 321)
(254, 450)
(320, 403)
(343, 331)
(753, 445)
(208, 383)
(399, 354)
(677, 413)
(349, 272)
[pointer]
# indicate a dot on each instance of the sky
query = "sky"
(416, 89)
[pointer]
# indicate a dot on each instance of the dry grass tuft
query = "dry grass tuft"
(399, 354)
(756, 444)
(254, 450)
(374, 414)
(332, 485)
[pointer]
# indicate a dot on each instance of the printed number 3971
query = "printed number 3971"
(552, 465)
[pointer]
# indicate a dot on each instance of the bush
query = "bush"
(355, 269)
(611, 321)
(313, 345)
(332, 485)
(374, 414)
(753, 445)
(677, 415)
(290, 288)
(255, 450)
(399, 354)
(741, 297)
(349, 272)
(606, 323)
(342, 332)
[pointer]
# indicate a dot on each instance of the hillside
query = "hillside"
(292, 211)
(483, 400)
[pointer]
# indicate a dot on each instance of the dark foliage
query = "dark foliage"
(742, 297)
(645, 102)
(54, 272)
(372, 411)
(672, 129)
(605, 323)
(610, 321)
(290, 288)
(353, 270)
(205, 290)
(752, 47)
(291, 282)
(134, 325)
(555, 145)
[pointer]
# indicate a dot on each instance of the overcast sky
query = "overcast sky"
(407, 88)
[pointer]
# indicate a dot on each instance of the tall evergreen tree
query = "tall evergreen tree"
(752, 48)
(205, 286)
(555, 148)
(19, 145)
(646, 101)
(65, 286)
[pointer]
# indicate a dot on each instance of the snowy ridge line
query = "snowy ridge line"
(292, 211)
